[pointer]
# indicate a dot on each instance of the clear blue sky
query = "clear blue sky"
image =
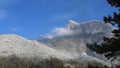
(31, 18)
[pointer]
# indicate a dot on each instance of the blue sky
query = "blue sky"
(32, 18)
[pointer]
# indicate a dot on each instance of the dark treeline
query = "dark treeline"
(111, 46)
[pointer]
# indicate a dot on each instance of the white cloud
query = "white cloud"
(62, 31)
(15, 29)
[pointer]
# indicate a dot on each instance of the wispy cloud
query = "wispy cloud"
(3, 4)
(15, 29)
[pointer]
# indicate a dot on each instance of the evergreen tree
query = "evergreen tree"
(111, 46)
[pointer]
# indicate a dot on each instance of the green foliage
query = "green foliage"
(115, 3)
(112, 45)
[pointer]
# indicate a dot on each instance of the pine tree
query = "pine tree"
(111, 46)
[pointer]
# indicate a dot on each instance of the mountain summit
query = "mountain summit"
(81, 35)
(71, 23)
(92, 30)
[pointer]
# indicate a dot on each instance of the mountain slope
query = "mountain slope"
(12, 44)
(70, 47)
(15, 45)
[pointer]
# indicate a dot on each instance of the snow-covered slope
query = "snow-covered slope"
(15, 45)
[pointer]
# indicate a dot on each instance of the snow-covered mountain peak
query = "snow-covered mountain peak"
(91, 29)
(80, 35)
(71, 23)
